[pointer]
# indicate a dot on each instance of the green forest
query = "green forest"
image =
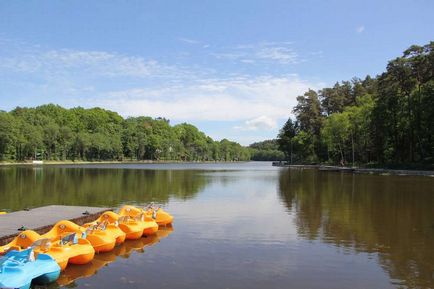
(267, 150)
(387, 119)
(51, 132)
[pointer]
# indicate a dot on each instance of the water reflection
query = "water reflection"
(391, 216)
(33, 187)
(74, 272)
(249, 225)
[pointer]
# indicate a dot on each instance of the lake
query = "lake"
(246, 225)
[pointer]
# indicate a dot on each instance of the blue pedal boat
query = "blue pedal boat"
(18, 269)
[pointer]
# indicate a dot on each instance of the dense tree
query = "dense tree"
(51, 132)
(285, 139)
(8, 135)
(403, 112)
(308, 112)
(310, 120)
(386, 119)
(336, 132)
(267, 150)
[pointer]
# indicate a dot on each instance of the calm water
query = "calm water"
(247, 225)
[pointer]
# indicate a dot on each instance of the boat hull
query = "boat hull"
(150, 229)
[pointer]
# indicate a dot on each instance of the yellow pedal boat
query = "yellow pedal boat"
(100, 239)
(160, 216)
(150, 226)
(111, 227)
(131, 227)
(69, 249)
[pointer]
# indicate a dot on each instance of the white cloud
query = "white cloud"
(189, 40)
(283, 55)
(262, 122)
(231, 99)
(360, 29)
(194, 42)
(228, 55)
(91, 63)
(265, 52)
(318, 53)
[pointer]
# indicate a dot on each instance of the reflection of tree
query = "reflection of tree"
(27, 187)
(389, 215)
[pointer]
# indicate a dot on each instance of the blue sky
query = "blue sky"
(232, 68)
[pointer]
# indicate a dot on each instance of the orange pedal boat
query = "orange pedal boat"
(112, 228)
(68, 249)
(100, 239)
(150, 226)
(160, 216)
(131, 227)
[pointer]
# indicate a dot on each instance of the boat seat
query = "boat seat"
(42, 244)
(123, 219)
(140, 217)
(101, 225)
(69, 239)
(154, 213)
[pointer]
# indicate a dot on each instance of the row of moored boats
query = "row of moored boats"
(34, 258)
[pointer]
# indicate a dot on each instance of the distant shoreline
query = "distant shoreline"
(376, 171)
(29, 163)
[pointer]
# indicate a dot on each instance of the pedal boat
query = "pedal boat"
(69, 249)
(160, 216)
(150, 226)
(99, 238)
(132, 228)
(111, 228)
(18, 269)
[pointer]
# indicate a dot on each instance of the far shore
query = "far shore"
(69, 162)
(361, 170)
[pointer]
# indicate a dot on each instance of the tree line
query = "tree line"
(51, 132)
(387, 119)
(267, 150)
